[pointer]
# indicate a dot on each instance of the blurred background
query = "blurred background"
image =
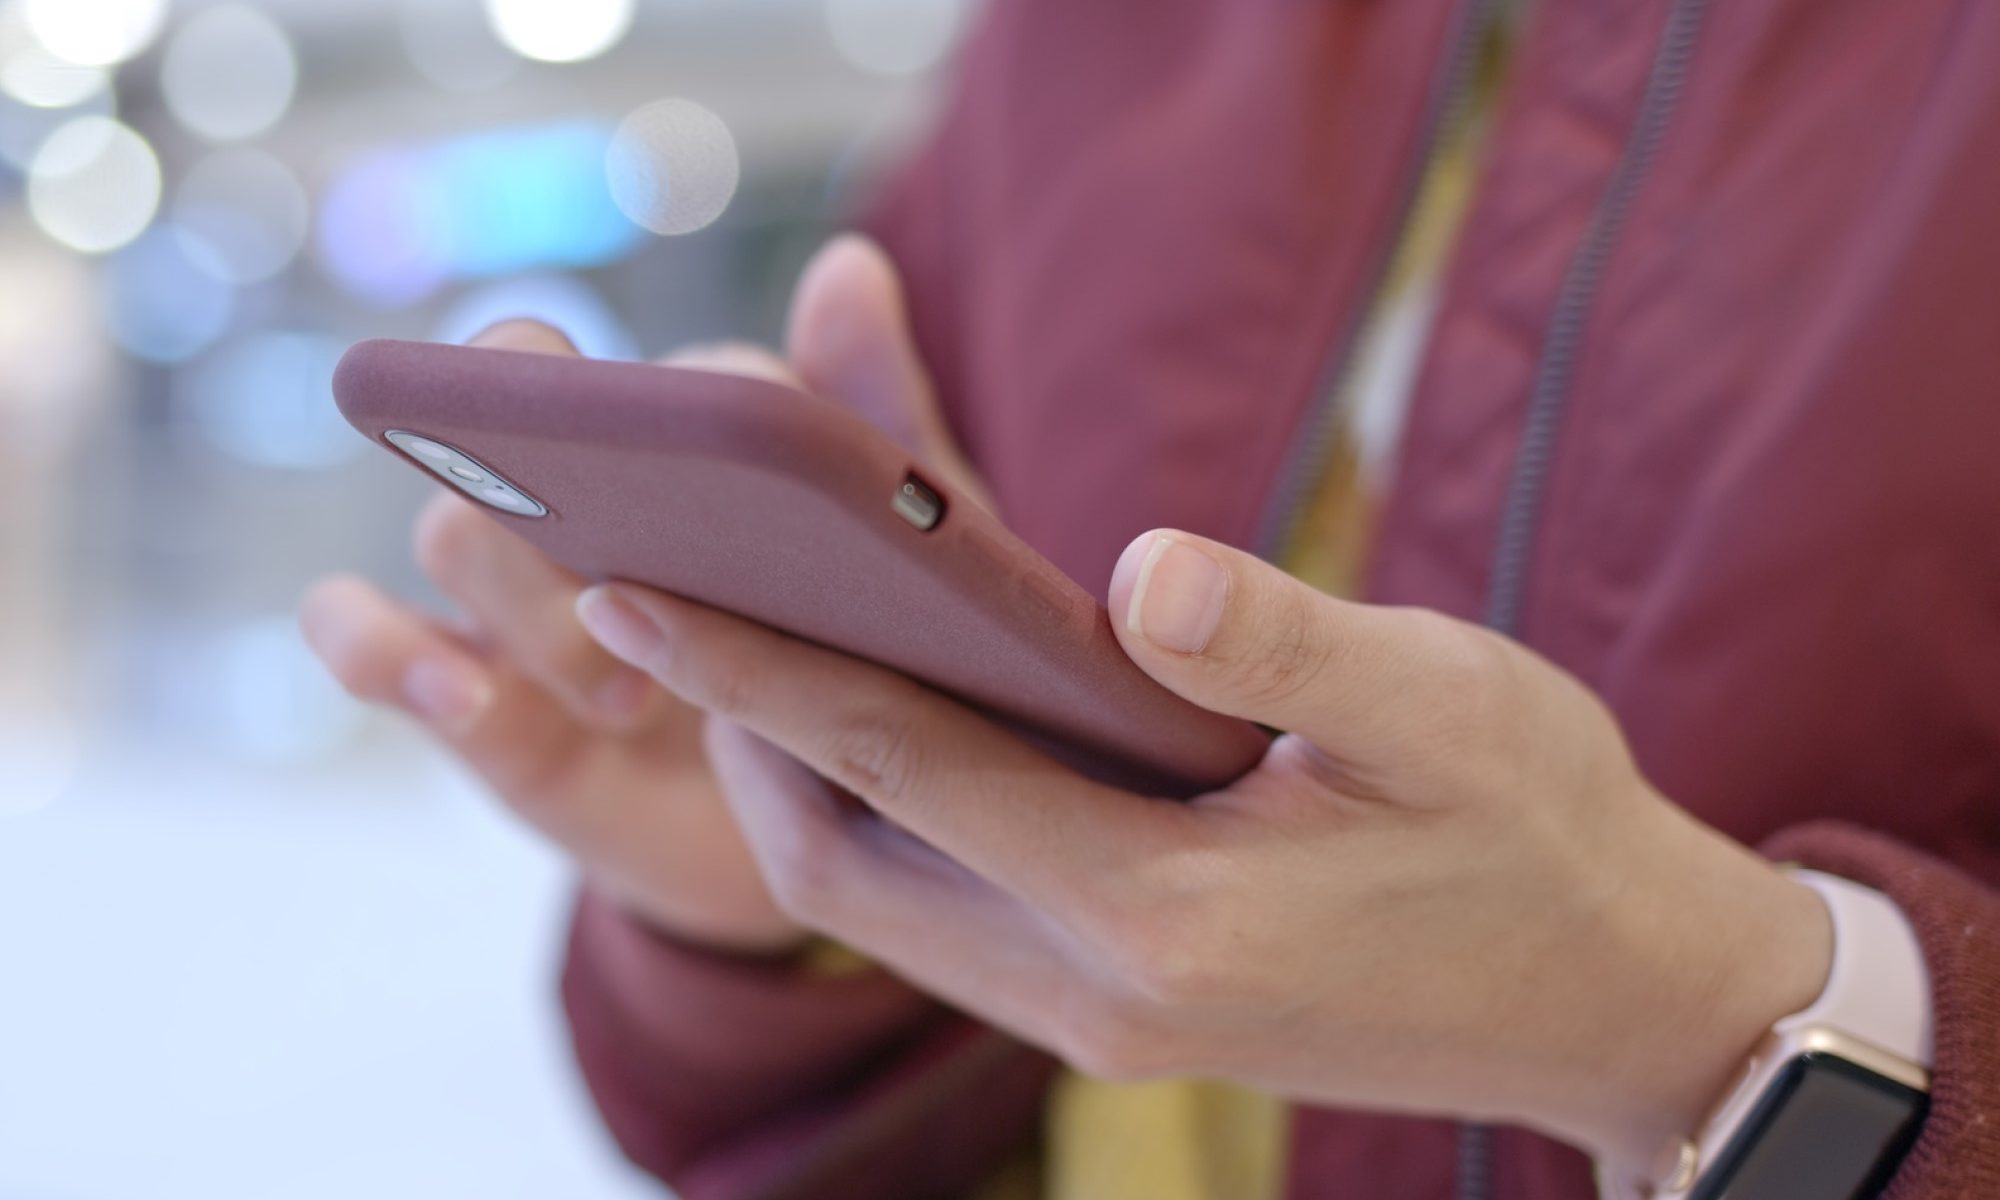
(254, 941)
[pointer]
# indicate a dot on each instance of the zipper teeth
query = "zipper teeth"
(1309, 454)
(1548, 401)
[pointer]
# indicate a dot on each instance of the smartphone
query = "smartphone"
(788, 509)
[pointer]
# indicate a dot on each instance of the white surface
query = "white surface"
(317, 983)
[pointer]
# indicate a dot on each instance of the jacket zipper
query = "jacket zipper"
(1548, 398)
(1307, 459)
(1548, 401)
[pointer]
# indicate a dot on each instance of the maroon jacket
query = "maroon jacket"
(1711, 417)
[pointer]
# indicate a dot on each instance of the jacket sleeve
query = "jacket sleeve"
(733, 1078)
(1957, 922)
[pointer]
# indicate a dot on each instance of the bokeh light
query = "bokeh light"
(95, 33)
(23, 127)
(560, 31)
(167, 298)
(398, 223)
(250, 210)
(229, 72)
(564, 301)
(32, 75)
(893, 37)
(94, 185)
(452, 44)
(267, 399)
(272, 702)
(384, 229)
(673, 167)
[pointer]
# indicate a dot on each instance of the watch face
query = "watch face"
(1826, 1129)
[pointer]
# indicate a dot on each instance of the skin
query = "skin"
(1446, 890)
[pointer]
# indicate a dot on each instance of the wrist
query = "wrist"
(1721, 945)
(1743, 947)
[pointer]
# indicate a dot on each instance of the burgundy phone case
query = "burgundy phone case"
(774, 504)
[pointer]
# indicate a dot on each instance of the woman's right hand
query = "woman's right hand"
(591, 752)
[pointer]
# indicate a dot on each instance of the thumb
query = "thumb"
(1369, 685)
(849, 340)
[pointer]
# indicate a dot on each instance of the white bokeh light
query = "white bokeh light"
(23, 129)
(249, 208)
(32, 75)
(672, 167)
(229, 72)
(95, 33)
(560, 31)
(94, 185)
(893, 37)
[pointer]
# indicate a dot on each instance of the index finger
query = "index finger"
(943, 772)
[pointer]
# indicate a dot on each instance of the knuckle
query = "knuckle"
(1186, 959)
(724, 685)
(1290, 658)
(1181, 943)
(1474, 673)
(877, 755)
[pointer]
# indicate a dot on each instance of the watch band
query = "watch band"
(1878, 990)
(1876, 1004)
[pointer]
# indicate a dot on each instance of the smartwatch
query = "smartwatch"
(1832, 1098)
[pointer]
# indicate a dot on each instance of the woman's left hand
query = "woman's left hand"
(1446, 890)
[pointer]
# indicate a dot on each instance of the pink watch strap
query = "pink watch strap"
(1878, 989)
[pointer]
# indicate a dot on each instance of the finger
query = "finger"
(526, 335)
(526, 603)
(386, 655)
(850, 340)
(734, 358)
(489, 713)
(1236, 635)
(874, 889)
(982, 796)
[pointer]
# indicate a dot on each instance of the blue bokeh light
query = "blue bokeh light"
(399, 223)
(268, 399)
(166, 297)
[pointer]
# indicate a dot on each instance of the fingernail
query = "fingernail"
(1178, 598)
(448, 695)
(618, 626)
(621, 697)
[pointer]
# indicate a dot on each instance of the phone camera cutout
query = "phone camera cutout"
(916, 502)
(466, 473)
